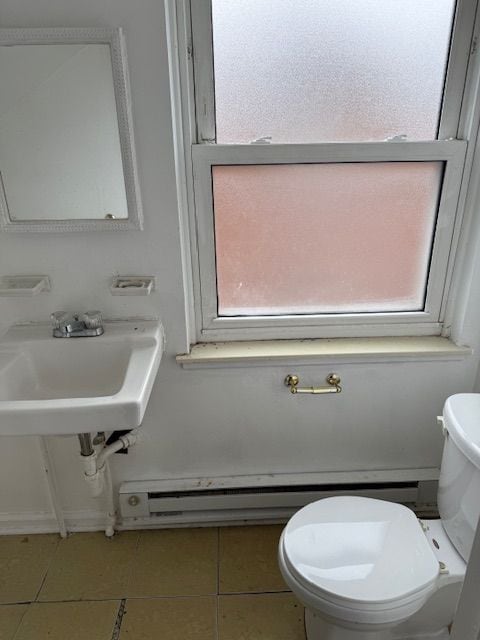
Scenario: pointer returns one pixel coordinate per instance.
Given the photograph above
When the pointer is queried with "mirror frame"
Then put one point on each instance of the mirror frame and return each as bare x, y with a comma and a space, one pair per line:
114, 37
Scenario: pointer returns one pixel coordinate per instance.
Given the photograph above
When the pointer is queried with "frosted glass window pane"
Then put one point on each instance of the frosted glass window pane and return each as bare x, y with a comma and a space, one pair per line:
324, 238
327, 70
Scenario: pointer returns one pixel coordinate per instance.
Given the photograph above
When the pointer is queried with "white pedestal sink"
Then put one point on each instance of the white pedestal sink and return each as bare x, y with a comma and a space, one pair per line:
58, 386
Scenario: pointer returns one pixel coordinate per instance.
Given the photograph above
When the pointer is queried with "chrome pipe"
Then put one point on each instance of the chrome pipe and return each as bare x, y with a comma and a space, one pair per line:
86, 446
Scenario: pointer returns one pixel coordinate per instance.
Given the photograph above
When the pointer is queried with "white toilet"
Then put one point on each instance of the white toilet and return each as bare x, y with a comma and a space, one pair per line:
368, 569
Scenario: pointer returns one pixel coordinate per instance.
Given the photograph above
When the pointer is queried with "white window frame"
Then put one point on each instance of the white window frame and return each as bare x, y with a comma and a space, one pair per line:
195, 125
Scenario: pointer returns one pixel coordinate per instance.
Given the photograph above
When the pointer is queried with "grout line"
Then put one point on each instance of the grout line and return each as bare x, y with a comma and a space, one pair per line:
76, 600
137, 543
218, 560
15, 634
254, 593
48, 568
117, 598
118, 622
131, 571
217, 601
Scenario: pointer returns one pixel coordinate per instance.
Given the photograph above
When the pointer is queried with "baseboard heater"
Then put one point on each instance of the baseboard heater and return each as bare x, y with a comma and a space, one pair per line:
218, 505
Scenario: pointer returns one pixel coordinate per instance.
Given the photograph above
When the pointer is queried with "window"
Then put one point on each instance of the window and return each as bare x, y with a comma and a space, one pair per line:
329, 70
362, 230
328, 142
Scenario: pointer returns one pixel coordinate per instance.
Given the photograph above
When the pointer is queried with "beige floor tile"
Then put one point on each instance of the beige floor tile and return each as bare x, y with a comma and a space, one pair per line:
24, 562
10, 618
89, 566
248, 559
170, 619
277, 616
69, 621
175, 562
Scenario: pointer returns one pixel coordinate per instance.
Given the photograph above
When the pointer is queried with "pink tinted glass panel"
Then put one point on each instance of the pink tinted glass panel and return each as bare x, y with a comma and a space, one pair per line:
324, 238
320, 70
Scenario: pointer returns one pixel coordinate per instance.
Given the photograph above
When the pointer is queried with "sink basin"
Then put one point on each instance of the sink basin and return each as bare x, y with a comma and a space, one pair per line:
55, 386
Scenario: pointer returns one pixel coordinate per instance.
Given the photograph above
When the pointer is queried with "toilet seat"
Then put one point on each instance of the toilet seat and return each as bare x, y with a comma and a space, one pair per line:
359, 558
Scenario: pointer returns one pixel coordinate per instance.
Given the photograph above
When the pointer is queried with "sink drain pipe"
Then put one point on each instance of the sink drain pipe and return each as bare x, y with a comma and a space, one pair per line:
97, 471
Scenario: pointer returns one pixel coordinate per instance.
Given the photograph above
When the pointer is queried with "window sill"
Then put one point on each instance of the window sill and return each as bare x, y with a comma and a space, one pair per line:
352, 350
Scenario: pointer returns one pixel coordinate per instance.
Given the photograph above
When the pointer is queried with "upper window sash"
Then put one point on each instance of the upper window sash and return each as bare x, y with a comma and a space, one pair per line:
449, 124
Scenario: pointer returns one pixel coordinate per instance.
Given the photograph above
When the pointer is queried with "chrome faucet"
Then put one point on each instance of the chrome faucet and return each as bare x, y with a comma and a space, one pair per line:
89, 325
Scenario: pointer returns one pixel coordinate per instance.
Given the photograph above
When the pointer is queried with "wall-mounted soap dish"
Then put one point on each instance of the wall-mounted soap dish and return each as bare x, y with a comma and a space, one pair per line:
132, 285
23, 285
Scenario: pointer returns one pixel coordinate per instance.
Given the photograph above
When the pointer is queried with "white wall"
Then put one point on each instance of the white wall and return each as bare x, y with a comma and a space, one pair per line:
211, 422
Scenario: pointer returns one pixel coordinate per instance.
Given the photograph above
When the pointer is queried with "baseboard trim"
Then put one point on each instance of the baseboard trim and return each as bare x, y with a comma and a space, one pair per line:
32, 522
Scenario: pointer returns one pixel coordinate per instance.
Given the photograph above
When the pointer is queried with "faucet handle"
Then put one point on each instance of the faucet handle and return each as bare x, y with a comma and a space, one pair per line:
58, 319
92, 319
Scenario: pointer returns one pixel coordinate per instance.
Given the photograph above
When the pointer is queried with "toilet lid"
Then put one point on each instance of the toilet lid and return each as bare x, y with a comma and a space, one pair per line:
359, 550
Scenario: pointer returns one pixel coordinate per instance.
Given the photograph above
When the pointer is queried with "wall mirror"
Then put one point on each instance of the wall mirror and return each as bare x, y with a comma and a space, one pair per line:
67, 158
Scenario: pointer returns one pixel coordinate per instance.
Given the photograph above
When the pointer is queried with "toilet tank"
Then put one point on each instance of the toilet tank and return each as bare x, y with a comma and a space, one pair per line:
459, 484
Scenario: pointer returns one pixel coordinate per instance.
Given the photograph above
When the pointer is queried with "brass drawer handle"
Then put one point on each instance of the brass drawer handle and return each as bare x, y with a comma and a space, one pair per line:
333, 380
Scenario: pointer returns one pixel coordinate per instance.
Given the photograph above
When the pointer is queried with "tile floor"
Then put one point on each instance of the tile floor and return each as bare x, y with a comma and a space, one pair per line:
179, 584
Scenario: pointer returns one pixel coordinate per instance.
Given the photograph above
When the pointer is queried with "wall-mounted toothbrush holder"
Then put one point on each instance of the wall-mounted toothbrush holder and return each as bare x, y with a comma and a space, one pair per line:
132, 285
23, 285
